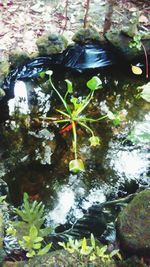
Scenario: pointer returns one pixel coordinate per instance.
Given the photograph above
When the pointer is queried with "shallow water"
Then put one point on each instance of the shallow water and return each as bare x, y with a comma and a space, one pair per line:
35, 156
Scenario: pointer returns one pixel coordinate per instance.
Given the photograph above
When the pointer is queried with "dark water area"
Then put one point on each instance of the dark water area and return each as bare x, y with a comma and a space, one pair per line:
34, 155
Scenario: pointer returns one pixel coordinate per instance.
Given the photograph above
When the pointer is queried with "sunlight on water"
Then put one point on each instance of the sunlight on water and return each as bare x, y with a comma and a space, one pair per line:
20, 101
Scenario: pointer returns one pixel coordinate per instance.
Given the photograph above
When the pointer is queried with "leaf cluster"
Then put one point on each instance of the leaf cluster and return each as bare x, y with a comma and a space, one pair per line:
28, 230
92, 250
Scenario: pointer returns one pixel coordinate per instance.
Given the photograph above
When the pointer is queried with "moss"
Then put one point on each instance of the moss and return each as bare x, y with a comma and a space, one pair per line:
51, 43
18, 57
84, 36
134, 225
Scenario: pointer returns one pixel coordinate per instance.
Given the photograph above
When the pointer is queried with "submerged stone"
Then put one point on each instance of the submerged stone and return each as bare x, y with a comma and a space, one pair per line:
133, 225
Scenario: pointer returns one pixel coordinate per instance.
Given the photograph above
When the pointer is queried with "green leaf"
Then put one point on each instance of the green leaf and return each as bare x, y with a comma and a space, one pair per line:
76, 165
69, 86
92, 241
33, 233
94, 84
27, 238
145, 94
30, 254
37, 246
42, 74
45, 250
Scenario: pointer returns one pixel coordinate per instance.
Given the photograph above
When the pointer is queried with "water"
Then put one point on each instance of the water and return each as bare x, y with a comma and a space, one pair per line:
35, 156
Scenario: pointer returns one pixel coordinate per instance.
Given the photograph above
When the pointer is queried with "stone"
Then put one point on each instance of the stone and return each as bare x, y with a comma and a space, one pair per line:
133, 225
121, 41
18, 57
51, 43
4, 70
88, 35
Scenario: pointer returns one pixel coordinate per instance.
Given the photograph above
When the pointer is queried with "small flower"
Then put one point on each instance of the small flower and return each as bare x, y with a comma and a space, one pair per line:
94, 140
76, 165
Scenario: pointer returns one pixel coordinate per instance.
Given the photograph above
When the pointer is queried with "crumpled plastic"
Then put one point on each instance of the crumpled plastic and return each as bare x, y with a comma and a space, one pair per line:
76, 57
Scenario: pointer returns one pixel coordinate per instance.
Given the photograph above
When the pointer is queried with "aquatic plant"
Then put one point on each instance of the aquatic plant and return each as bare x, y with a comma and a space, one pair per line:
89, 249
73, 115
28, 231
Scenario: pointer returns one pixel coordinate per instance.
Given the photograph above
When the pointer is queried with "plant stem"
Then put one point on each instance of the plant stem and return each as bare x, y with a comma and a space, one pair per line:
146, 59
86, 13
93, 120
87, 127
61, 98
87, 100
75, 138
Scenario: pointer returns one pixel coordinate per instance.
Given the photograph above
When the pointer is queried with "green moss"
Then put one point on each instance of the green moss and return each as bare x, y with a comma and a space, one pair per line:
84, 36
51, 43
134, 224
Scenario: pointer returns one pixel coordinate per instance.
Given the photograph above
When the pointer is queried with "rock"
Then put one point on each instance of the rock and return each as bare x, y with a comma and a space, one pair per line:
63, 258
120, 42
51, 43
133, 225
18, 57
84, 36
4, 70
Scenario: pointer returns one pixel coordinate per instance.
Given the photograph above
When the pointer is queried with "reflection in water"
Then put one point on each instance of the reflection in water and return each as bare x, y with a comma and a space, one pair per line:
109, 166
20, 101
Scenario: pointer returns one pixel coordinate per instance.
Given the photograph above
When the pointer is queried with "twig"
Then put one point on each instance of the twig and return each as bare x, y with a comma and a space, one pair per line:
146, 59
66, 15
86, 13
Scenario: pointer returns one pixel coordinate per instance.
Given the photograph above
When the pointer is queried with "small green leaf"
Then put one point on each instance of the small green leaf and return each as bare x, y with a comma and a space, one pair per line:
30, 254
145, 94
11, 231
92, 241
94, 84
76, 165
37, 246
33, 232
43, 251
69, 86
42, 74
94, 140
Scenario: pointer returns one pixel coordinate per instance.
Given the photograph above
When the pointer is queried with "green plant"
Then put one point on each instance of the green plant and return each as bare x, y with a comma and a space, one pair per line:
137, 43
91, 250
73, 116
28, 231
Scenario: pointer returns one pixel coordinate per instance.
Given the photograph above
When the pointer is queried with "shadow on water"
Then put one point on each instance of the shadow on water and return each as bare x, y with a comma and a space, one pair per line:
35, 156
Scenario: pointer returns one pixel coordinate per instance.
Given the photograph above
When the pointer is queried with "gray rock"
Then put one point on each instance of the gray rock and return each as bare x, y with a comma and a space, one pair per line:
133, 224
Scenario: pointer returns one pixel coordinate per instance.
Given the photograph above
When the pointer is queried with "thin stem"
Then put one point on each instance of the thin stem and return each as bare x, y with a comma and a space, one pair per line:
61, 98
146, 59
63, 113
60, 121
93, 120
66, 15
87, 127
75, 138
86, 13
87, 101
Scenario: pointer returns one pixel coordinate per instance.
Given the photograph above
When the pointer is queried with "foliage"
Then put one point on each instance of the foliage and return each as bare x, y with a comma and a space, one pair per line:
145, 93
90, 251
29, 232
73, 116
137, 43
